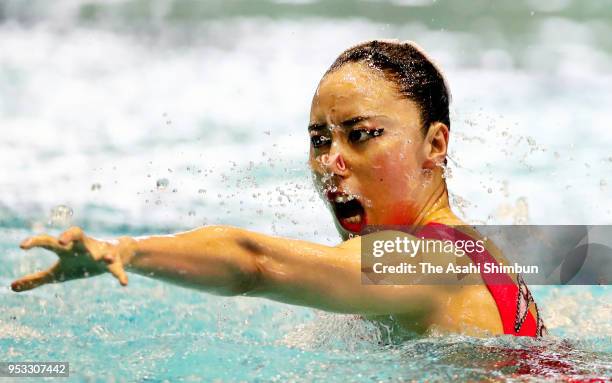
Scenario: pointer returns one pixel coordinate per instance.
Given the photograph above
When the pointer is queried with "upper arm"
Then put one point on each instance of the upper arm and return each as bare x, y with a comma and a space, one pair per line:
324, 277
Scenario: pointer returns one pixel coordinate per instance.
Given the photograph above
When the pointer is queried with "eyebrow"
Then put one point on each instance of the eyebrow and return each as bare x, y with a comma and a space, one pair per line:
345, 124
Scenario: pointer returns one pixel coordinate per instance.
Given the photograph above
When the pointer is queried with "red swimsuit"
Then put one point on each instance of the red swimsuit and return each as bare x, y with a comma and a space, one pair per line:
512, 298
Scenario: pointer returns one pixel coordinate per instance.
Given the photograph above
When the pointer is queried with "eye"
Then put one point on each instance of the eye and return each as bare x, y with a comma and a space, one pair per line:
319, 140
361, 135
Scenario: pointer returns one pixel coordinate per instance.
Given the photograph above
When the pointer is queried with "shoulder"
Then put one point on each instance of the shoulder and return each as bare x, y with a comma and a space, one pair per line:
353, 243
470, 310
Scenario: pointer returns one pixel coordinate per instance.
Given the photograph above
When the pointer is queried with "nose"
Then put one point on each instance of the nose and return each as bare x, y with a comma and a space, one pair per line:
334, 163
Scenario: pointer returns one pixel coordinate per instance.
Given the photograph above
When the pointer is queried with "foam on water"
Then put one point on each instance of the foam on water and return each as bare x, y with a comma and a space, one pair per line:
83, 105
144, 120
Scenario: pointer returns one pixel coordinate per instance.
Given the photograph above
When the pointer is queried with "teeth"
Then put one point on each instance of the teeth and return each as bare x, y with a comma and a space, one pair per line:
344, 198
353, 219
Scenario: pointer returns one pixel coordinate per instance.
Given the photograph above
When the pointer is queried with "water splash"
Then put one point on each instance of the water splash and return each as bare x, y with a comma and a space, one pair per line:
517, 213
162, 184
337, 331
60, 216
576, 313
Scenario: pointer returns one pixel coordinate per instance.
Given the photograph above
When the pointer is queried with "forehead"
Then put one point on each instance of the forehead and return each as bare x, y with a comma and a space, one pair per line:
355, 89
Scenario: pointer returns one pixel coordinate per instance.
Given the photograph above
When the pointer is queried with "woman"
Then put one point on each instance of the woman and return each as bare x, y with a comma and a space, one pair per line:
379, 130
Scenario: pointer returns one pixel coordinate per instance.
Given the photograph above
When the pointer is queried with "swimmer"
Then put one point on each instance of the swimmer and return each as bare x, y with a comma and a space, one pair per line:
379, 132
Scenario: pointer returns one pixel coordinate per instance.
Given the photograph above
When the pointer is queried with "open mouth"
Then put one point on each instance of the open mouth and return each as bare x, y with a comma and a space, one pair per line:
348, 210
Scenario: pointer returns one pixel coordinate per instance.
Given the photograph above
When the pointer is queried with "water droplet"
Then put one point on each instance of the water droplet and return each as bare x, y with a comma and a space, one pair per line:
162, 183
447, 172
531, 141
61, 215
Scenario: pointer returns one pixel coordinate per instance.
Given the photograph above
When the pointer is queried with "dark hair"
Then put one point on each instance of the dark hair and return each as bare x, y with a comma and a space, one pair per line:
405, 64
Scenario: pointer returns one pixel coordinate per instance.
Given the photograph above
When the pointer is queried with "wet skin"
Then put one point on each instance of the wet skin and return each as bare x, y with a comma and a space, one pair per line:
372, 142
394, 174
367, 141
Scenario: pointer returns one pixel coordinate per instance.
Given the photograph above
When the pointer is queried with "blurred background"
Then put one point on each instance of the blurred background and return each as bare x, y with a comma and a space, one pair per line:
133, 116
170, 114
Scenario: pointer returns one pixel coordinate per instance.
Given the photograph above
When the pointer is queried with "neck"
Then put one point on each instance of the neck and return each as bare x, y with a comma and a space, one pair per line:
436, 207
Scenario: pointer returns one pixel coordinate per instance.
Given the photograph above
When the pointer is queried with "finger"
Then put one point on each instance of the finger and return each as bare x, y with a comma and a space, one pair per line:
117, 270
45, 241
108, 258
115, 266
75, 233
34, 280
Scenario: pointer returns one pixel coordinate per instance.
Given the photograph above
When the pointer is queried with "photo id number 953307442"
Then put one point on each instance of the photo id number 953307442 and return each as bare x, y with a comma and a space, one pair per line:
34, 369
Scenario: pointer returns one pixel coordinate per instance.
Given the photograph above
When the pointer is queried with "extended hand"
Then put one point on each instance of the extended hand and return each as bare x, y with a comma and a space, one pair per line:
79, 255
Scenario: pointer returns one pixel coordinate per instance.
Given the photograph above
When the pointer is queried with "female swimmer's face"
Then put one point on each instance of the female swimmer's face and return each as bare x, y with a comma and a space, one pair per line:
367, 154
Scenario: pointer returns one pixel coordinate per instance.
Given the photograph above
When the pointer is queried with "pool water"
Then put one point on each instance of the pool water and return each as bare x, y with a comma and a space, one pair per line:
152, 331
131, 117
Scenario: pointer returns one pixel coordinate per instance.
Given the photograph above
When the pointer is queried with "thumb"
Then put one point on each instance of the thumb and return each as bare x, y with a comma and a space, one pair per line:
34, 280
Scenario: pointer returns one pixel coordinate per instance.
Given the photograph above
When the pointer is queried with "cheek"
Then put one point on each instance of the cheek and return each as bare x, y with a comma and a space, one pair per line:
313, 163
394, 170
393, 179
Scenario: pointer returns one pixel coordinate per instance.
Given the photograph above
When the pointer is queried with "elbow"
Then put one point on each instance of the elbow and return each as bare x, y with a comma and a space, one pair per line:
243, 281
246, 281
252, 271
246, 285
247, 271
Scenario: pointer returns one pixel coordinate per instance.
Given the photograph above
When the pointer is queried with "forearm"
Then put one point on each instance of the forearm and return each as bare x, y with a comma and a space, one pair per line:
230, 261
211, 258
227, 260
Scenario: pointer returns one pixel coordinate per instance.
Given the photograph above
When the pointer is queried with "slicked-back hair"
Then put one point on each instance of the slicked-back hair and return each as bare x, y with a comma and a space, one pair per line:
415, 75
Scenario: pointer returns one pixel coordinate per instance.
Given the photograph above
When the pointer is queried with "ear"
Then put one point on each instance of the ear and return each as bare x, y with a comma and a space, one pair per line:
436, 145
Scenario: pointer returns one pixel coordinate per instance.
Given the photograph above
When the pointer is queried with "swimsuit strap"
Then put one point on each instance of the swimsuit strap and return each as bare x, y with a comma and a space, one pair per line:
512, 299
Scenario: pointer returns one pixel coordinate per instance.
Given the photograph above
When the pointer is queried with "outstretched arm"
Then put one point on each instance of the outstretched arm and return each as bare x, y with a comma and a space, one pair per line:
231, 261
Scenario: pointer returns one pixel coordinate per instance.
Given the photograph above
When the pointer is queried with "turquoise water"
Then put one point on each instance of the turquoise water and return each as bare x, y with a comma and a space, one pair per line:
157, 332
101, 102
